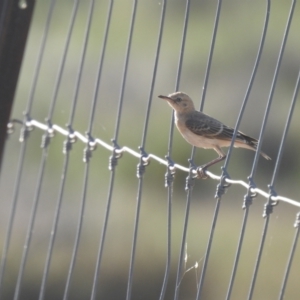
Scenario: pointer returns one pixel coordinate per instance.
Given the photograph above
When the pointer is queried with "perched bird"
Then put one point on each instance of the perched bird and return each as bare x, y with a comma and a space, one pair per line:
203, 131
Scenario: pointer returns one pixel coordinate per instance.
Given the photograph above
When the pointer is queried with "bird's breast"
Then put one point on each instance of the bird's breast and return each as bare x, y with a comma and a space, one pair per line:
192, 138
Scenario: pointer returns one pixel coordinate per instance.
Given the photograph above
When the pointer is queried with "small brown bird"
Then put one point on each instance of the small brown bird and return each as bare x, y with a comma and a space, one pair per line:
203, 131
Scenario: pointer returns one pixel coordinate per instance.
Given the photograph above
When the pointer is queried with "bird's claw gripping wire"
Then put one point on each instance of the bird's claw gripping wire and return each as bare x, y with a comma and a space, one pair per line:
201, 173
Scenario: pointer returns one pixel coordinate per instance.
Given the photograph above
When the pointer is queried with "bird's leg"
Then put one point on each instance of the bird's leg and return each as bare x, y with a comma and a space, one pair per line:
201, 170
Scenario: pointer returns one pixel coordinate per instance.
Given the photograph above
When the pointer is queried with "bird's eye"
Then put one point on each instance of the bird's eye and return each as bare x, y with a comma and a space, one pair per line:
178, 99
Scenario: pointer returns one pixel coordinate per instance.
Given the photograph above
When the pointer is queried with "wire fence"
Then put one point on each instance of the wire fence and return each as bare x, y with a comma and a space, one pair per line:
59, 242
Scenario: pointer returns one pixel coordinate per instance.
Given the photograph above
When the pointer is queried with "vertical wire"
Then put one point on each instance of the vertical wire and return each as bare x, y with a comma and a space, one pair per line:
256, 64
99, 258
136, 224
207, 73
141, 166
270, 99
79, 227
279, 156
81, 64
290, 260
253, 281
45, 144
210, 239
23, 139
268, 206
246, 207
161, 25
107, 211
285, 132
31, 223
169, 184
209, 62
12, 212
210, 55
169, 232
170, 144
66, 160
100, 66
63, 60
121, 99
186, 218
40, 57
86, 157
238, 252
54, 227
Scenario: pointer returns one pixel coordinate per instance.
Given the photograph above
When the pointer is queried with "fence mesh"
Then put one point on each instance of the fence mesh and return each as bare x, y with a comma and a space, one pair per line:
100, 198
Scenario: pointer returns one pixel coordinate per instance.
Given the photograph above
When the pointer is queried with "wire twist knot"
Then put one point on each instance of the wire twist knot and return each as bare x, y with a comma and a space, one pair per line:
113, 159
26, 128
297, 221
190, 180
11, 125
48, 135
170, 174
268, 207
71, 139
248, 198
90, 147
141, 167
223, 185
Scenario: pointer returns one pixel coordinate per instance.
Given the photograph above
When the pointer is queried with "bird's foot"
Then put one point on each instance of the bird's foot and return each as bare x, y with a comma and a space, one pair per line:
201, 173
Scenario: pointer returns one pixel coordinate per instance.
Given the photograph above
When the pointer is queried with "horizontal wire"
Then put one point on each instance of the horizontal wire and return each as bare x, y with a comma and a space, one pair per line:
56, 128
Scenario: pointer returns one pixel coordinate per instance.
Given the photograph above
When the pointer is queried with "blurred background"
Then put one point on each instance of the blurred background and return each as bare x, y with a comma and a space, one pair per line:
238, 38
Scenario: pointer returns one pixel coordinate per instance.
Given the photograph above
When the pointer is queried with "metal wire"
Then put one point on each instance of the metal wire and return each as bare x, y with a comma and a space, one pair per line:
114, 157
285, 132
248, 197
181, 255
104, 228
118, 120
120, 150
23, 139
31, 223
86, 153
289, 264
212, 47
67, 148
141, 169
12, 213
269, 205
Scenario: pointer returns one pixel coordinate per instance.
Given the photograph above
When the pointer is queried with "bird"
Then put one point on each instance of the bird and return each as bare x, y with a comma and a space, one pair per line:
203, 131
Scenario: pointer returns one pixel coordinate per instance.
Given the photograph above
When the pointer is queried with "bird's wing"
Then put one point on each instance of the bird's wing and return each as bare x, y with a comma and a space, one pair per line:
209, 128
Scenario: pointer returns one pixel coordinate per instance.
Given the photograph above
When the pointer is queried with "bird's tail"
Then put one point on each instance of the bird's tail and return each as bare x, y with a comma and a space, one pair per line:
252, 142
263, 154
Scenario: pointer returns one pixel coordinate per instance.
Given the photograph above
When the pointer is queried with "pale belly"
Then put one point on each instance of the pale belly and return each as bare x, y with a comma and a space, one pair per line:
202, 142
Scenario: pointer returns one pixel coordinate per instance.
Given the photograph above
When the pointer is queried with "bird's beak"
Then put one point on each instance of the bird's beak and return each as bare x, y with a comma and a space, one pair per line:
165, 98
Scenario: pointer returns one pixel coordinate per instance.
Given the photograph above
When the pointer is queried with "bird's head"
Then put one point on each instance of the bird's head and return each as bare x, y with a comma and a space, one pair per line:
180, 102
